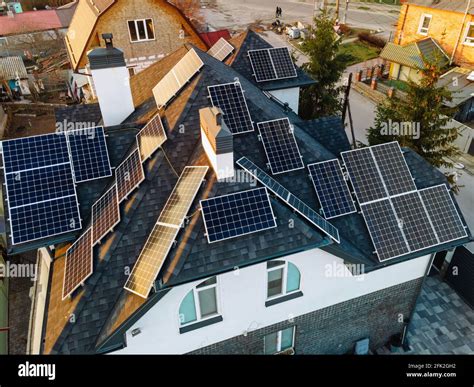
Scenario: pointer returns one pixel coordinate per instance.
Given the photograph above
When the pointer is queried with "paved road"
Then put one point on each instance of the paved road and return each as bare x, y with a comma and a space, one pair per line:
239, 14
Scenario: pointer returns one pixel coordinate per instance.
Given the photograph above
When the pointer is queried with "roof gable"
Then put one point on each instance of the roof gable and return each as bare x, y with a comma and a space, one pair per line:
88, 15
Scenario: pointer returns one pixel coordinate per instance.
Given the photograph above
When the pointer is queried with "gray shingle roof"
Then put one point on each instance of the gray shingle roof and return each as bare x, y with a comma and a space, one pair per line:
105, 308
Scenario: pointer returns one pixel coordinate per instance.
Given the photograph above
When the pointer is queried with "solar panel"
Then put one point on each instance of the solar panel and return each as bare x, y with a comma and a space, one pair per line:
39, 185
179, 75
44, 219
285, 195
282, 62
151, 137
34, 152
280, 146
331, 188
89, 155
221, 49
272, 64
40, 189
79, 263
414, 221
105, 214
364, 175
443, 213
230, 99
183, 194
393, 168
385, 229
151, 260
237, 214
164, 233
129, 175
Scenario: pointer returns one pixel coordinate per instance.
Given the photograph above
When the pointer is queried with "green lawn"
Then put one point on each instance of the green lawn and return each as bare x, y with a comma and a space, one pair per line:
359, 51
400, 85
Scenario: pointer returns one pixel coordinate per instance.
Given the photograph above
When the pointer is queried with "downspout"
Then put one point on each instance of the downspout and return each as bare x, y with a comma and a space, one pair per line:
460, 32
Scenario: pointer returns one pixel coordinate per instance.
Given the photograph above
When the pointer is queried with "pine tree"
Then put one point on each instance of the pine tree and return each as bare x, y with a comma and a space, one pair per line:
326, 65
421, 108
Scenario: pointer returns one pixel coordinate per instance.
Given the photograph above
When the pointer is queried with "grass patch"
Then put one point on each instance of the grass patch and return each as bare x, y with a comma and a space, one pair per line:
364, 8
397, 84
359, 51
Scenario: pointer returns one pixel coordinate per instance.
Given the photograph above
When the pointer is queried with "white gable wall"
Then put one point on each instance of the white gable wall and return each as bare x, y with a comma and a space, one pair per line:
242, 296
291, 96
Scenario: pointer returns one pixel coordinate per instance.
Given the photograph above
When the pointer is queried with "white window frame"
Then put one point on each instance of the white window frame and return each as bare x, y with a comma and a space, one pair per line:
279, 334
283, 293
420, 27
197, 304
135, 22
465, 38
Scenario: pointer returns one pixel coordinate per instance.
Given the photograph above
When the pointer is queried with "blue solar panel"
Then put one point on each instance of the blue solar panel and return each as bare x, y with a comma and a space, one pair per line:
365, 177
90, 158
38, 185
289, 198
34, 152
331, 188
280, 145
44, 219
40, 188
230, 99
237, 214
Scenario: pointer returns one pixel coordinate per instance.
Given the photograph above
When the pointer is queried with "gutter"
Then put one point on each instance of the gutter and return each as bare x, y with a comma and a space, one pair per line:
460, 32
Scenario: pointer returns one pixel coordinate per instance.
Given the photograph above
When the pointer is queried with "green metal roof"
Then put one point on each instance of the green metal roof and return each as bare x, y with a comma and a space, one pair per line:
415, 54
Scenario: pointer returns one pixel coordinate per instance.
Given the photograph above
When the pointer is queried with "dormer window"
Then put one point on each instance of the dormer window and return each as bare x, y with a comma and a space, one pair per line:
141, 30
424, 24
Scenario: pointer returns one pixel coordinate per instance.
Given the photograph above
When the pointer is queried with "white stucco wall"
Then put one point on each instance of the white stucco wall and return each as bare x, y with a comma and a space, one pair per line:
242, 296
112, 87
222, 164
292, 96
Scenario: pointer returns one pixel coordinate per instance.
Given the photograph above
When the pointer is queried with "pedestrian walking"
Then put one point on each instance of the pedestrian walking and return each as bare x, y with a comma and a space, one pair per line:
276, 12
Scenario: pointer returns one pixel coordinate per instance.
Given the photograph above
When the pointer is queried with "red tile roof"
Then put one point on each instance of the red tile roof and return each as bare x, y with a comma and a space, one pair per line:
31, 21
212, 37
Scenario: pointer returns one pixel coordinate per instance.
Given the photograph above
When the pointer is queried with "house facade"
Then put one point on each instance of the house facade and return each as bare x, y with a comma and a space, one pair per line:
145, 30
450, 23
285, 304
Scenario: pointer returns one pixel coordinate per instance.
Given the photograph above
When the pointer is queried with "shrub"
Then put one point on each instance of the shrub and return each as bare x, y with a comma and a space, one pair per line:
376, 41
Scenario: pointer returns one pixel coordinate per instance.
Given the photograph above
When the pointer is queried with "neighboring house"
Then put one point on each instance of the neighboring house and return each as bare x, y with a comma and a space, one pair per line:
13, 76
210, 38
145, 30
34, 32
460, 82
450, 23
407, 61
291, 288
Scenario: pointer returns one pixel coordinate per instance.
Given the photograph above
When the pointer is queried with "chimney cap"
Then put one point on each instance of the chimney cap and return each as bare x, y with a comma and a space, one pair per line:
108, 57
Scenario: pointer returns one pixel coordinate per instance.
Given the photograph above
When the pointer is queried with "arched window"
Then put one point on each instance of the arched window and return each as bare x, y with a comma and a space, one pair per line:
200, 303
282, 278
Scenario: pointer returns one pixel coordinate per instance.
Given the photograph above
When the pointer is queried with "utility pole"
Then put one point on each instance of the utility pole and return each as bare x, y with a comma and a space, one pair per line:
346, 9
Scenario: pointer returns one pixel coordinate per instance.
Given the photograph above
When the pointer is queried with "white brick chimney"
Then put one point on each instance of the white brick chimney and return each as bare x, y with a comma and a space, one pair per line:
217, 141
112, 82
